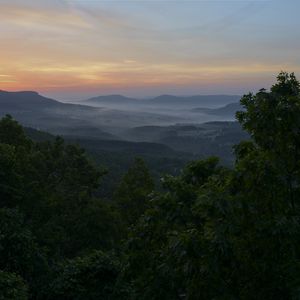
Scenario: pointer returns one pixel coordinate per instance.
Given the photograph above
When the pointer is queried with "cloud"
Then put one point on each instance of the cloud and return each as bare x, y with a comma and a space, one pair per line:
40, 17
84, 45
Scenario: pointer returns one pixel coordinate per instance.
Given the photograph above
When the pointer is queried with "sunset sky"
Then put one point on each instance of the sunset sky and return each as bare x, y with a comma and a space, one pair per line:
76, 49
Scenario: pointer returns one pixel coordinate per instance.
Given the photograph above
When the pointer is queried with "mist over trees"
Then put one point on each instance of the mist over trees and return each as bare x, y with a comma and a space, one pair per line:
212, 232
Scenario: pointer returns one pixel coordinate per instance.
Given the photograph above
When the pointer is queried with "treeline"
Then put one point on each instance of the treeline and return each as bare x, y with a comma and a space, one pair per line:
210, 233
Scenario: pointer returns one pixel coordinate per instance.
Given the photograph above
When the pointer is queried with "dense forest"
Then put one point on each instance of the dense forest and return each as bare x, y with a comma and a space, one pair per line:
210, 232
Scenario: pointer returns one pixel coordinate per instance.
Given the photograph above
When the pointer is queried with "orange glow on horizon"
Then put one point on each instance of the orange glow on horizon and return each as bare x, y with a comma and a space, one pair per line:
61, 45
133, 74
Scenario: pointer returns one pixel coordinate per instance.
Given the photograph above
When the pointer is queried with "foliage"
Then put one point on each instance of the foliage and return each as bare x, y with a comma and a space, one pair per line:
19, 251
133, 192
12, 286
48, 211
12, 133
229, 234
92, 276
170, 235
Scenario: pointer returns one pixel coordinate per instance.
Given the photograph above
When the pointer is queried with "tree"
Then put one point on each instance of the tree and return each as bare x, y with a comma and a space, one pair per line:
12, 286
165, 248
14, 148
229, 234
92, 276
48, 206
66, 180
12, 133
133, 192
19, 251
10, 177
53, 185
272, 119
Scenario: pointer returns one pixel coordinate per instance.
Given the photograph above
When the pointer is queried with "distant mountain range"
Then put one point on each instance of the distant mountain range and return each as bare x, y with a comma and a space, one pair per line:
37, 111
174, 126
30, 100
167, 100
107, 122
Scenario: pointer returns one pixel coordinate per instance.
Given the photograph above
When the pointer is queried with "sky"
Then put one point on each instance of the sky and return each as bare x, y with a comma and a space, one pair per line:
80, 48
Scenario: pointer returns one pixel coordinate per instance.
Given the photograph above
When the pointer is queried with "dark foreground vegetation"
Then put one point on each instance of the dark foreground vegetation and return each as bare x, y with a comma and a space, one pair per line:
211, 233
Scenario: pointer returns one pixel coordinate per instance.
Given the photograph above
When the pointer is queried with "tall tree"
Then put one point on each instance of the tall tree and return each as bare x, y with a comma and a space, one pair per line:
230, 234
12, 286
92, 276
132, 195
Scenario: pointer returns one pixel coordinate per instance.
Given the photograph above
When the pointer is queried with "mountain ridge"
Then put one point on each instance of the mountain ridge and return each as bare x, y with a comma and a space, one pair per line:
165, 99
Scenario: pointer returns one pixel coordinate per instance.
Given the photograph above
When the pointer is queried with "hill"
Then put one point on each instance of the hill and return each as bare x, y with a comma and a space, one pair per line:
206, 139
32, 101
117, 156
33, 110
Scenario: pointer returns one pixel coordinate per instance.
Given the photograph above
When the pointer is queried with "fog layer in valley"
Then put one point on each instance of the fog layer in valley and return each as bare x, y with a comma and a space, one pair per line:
200, 125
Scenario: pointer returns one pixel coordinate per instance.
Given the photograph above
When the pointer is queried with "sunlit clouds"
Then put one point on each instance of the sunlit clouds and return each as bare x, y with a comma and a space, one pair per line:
73, 48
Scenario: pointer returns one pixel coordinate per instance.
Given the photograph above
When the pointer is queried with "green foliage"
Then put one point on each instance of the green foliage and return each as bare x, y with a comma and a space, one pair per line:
272, 119
48, 211
169, 236
12, 287
19, 251
10, 178
133, 192
12, 133
95, 226
229, 234
53, 184
67, 179
92, 276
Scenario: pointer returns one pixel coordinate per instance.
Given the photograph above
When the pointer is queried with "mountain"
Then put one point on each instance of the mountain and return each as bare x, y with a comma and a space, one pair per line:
33, 110
32, 101
165, 100
205, 139
96, 145
156, 135
27, 100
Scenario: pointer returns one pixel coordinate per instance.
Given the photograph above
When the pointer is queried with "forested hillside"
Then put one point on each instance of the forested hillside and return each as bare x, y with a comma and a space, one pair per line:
211, 232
